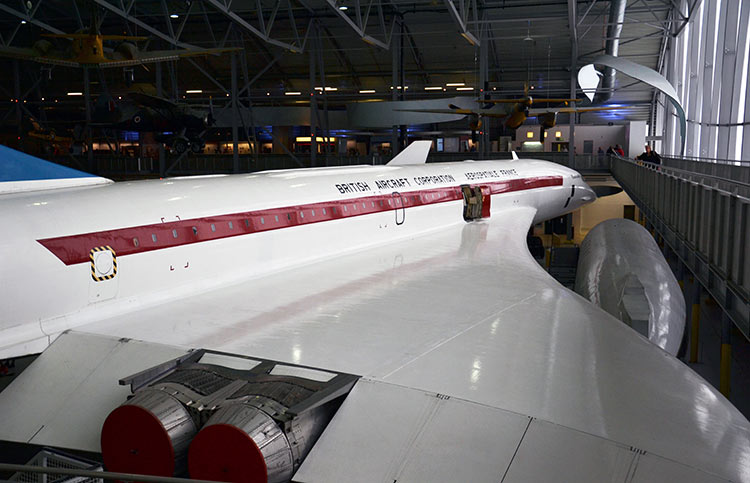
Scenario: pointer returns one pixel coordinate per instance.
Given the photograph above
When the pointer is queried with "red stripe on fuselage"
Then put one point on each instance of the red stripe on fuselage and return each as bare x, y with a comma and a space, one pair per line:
75, 249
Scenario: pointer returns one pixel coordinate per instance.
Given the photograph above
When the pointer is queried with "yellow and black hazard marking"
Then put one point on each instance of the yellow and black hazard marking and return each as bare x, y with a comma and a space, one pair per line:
101, 268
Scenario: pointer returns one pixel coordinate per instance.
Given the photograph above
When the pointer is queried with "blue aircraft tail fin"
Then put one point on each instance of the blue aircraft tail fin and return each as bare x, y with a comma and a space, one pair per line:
23, 172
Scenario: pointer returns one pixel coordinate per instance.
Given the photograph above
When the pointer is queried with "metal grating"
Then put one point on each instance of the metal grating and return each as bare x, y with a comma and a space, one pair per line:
199, 380
49, 458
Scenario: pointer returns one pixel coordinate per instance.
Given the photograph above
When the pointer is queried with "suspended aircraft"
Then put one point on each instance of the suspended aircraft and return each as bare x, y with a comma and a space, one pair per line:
515, 112
179, 125
365, 323
87, 49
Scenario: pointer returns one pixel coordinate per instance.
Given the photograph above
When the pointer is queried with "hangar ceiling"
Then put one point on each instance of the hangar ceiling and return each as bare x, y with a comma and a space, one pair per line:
351, 45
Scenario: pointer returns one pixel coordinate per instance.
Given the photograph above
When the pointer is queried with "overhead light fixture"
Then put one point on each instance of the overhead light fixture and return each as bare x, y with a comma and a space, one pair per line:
194, 91
329, 89
545, 134
433, 88
294, 93
318, 139
558, 134
367, 91
529, 134
343, 8
464, 88
75, 93
455, 84
174, 15
23, 22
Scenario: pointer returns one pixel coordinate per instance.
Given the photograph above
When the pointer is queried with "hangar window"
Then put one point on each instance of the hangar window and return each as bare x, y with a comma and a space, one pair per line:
135, 242
231, 226
213, 227
153, 237
195, 231
262, 221
174, 233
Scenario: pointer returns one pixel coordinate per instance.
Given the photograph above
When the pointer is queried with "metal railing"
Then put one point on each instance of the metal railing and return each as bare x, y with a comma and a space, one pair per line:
704, 219
731, 170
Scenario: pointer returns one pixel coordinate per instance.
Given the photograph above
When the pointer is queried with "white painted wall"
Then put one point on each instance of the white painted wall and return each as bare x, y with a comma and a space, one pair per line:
603, 136
636, 138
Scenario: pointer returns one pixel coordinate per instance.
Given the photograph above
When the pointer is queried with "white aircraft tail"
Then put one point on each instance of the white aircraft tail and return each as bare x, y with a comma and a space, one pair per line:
513, 153
415, 153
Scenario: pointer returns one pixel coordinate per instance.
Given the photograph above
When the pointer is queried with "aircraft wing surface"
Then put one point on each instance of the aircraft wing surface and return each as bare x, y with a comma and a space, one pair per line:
476, 366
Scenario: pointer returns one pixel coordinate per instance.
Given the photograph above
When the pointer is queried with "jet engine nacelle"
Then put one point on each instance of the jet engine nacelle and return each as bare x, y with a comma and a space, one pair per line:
222, 424
127, 50
475, 123
547, 119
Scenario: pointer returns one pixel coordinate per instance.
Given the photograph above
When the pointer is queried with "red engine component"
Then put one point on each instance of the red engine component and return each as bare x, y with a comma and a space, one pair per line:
149, 434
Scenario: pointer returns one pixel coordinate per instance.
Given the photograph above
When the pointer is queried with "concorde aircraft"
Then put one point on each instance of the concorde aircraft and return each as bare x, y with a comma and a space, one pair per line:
243, 310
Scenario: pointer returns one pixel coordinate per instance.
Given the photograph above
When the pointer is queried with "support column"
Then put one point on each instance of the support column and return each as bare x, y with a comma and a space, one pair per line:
87, 99
573, 23
695, 320
160, 93
725, 365
313, 100
395, 77
484, 48
235, 115
17, 95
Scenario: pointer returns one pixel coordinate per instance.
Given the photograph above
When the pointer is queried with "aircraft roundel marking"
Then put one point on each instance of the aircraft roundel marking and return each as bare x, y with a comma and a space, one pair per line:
103, 265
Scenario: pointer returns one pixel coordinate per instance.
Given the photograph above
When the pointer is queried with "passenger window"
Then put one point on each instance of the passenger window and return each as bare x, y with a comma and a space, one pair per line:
301, 214
213, 227
195, 231
312, 212
324, 211
247, 222
153, 237
231, 226
289, 216
174, 233
262, 221
277, 218
135, 242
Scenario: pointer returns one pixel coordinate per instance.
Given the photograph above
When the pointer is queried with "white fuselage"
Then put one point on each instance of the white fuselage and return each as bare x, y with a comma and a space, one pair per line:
72, 256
